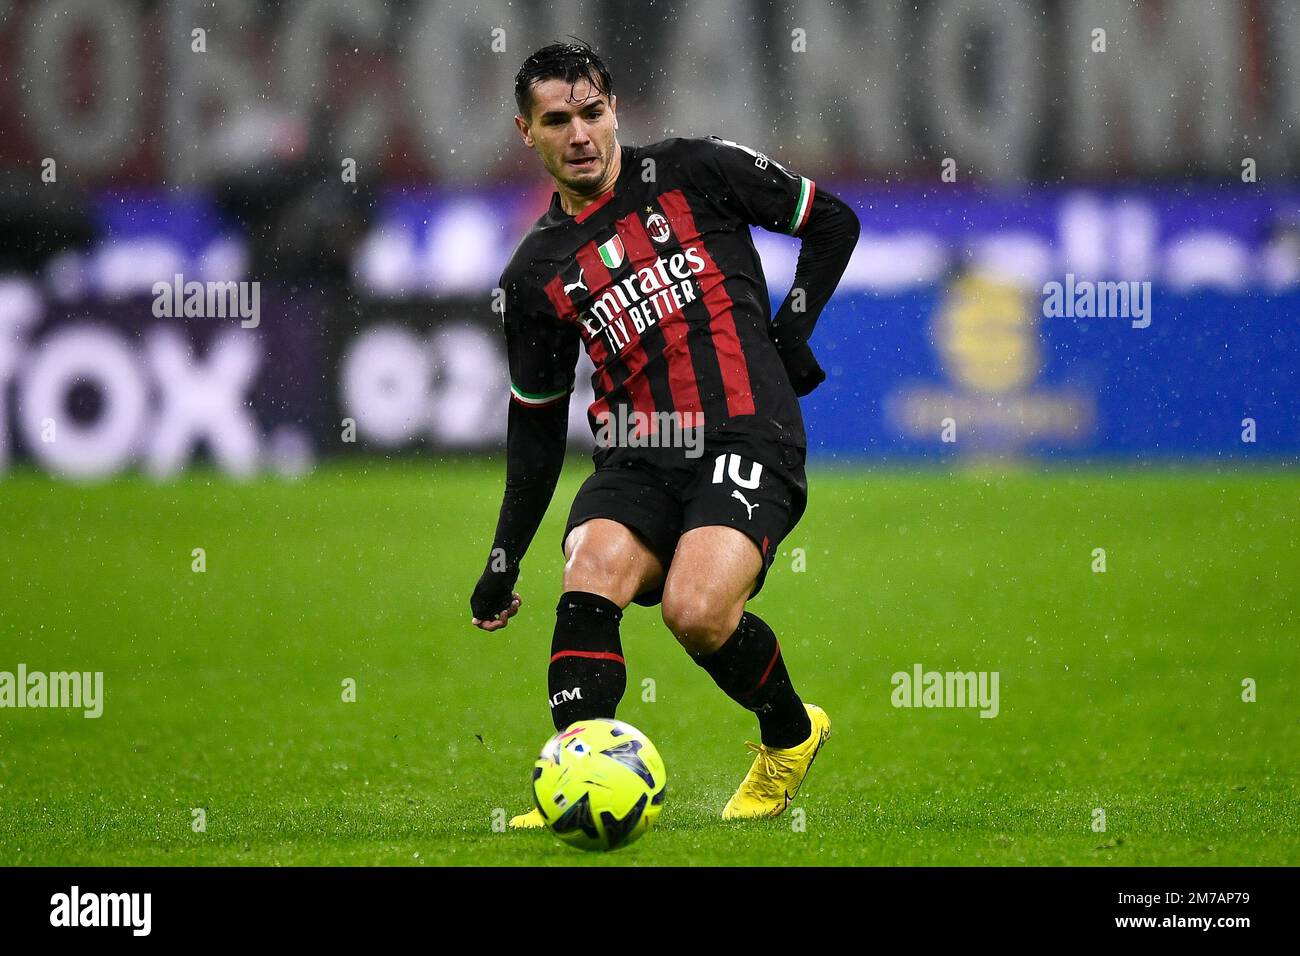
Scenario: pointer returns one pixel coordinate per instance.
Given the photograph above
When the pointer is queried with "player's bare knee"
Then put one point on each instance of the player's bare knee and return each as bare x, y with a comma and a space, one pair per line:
601, 570
701, 625
589, 570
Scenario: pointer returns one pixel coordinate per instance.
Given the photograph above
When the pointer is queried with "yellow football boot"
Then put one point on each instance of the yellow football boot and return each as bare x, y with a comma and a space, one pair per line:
527, 821
776, 775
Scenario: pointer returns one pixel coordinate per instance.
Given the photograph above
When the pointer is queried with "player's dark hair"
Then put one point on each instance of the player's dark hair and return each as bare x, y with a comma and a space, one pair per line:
570, 62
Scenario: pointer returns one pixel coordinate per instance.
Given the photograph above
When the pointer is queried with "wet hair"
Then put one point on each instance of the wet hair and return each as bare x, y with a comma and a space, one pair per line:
570, 62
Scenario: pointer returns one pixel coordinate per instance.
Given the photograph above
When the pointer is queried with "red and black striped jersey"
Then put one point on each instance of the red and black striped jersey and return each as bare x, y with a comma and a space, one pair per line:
659, 280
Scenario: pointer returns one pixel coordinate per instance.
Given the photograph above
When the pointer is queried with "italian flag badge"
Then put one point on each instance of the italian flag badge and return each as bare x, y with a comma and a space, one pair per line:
611, 253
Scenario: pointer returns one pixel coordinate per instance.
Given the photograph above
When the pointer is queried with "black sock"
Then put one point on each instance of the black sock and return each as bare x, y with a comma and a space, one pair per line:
587, 676
750, 670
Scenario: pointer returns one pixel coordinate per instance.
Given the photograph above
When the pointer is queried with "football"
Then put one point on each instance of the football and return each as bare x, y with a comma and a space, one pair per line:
599, 784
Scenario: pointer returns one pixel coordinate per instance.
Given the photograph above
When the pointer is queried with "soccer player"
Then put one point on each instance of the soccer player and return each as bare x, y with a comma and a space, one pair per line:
645, 259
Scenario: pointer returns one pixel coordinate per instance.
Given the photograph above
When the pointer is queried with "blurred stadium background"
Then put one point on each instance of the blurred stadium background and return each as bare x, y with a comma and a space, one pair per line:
235, 164
357, 161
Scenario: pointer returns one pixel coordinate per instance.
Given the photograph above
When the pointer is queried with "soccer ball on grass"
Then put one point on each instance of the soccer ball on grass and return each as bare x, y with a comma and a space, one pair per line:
599, 784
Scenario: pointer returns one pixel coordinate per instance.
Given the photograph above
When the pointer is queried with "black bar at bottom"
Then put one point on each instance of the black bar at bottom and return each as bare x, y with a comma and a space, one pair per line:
329, 905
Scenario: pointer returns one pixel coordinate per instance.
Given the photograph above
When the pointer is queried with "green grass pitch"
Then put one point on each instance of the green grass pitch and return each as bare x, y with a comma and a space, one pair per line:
223, 690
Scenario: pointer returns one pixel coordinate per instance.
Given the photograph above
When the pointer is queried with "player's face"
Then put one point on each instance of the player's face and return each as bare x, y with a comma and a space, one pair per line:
572, 128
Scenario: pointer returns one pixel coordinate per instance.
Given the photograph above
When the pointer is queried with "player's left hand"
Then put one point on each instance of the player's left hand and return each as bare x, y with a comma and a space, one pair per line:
802, 367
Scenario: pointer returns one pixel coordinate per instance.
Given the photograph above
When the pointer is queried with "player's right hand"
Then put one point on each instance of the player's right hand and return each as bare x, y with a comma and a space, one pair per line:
498, 621
494, 602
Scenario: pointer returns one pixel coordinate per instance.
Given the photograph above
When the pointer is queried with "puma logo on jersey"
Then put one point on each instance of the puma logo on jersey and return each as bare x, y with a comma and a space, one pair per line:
576, 285
749, 509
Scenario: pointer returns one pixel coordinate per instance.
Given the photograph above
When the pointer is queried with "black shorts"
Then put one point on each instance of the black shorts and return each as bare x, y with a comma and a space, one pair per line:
758, 488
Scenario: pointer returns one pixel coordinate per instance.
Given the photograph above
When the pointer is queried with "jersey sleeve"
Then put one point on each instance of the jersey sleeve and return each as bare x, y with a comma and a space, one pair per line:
542, 353
754, 187
542, 350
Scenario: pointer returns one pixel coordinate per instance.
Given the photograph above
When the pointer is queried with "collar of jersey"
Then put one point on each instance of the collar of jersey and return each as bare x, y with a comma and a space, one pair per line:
557, 211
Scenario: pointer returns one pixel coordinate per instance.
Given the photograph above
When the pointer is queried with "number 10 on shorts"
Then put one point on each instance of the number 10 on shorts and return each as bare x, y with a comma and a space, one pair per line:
732, 464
